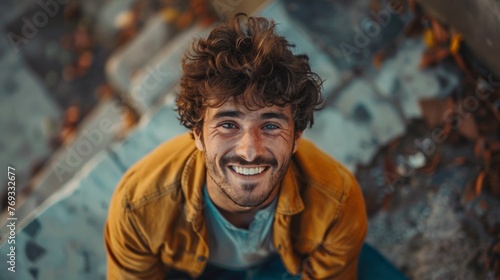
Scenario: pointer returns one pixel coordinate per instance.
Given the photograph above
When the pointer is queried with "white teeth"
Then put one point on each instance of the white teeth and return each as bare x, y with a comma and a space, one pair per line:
248, 171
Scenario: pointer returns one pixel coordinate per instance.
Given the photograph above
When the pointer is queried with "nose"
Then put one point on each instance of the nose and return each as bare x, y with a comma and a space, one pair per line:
250, 145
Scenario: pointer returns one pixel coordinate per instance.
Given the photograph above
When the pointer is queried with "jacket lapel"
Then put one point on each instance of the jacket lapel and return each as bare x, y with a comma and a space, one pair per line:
289, 204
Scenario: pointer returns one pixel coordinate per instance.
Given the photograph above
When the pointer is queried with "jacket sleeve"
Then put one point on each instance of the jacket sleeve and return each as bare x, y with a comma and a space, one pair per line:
128, 253
337, 257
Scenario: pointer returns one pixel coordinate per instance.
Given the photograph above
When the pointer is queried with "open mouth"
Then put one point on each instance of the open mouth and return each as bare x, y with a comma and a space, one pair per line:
248, 171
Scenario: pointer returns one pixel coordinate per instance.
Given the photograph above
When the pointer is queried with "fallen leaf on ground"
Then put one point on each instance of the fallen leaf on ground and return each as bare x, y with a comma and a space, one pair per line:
479, 182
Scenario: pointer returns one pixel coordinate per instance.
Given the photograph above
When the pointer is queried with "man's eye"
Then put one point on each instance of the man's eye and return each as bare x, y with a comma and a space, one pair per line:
228, 125
270, 126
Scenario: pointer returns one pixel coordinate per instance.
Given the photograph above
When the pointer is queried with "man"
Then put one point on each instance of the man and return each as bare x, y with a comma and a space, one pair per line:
242, 196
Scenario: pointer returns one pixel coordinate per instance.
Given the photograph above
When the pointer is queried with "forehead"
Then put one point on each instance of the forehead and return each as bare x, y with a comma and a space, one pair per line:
233, 106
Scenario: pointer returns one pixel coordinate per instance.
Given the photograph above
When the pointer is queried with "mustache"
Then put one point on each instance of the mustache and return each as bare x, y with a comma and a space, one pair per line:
236, 160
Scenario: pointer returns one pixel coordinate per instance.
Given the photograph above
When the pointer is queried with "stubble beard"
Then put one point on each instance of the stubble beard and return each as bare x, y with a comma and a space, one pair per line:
220, 178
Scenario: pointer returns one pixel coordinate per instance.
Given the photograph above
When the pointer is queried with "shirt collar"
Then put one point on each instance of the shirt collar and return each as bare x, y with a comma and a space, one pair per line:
261, 214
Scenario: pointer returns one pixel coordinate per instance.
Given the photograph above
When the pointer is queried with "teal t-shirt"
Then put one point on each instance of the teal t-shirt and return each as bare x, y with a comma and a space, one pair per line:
235, 248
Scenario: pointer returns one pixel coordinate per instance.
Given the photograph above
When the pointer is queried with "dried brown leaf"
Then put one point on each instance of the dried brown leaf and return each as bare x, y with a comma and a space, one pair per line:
468, 128
440, 33
375, 5
413, 5
432, 164
479, 182
378, 59
185, 20
447, 128
459, 160
433, 110
469, 193
460, 62
433, 56
479, 147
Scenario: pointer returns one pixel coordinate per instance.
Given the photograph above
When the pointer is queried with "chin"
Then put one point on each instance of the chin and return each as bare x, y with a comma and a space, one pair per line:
244, 199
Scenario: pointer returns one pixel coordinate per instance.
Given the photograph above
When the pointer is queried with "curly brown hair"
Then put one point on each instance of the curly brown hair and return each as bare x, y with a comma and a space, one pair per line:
249, 60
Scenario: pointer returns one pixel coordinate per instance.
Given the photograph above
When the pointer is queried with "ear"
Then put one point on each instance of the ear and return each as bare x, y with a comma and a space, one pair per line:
198, 141
298, 135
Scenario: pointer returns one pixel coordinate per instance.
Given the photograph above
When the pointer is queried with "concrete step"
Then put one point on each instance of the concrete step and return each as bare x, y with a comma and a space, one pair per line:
64, 239
94, 134
28, 116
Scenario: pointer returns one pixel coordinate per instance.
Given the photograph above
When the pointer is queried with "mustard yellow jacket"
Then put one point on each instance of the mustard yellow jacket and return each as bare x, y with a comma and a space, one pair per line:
155, 220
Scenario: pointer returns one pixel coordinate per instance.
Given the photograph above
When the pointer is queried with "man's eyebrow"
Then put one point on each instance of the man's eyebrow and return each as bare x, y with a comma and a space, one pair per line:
279, 116
225, 114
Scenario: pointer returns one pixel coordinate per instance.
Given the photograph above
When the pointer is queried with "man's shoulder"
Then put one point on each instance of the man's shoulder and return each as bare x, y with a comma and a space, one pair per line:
328, 191
158, 172
322, 172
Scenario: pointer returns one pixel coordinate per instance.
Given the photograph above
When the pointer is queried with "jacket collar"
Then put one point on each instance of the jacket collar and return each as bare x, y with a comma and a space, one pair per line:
289, 200
194, 176
192, 182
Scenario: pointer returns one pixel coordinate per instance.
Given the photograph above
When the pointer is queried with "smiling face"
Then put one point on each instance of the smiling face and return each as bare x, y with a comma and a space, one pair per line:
247, 153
